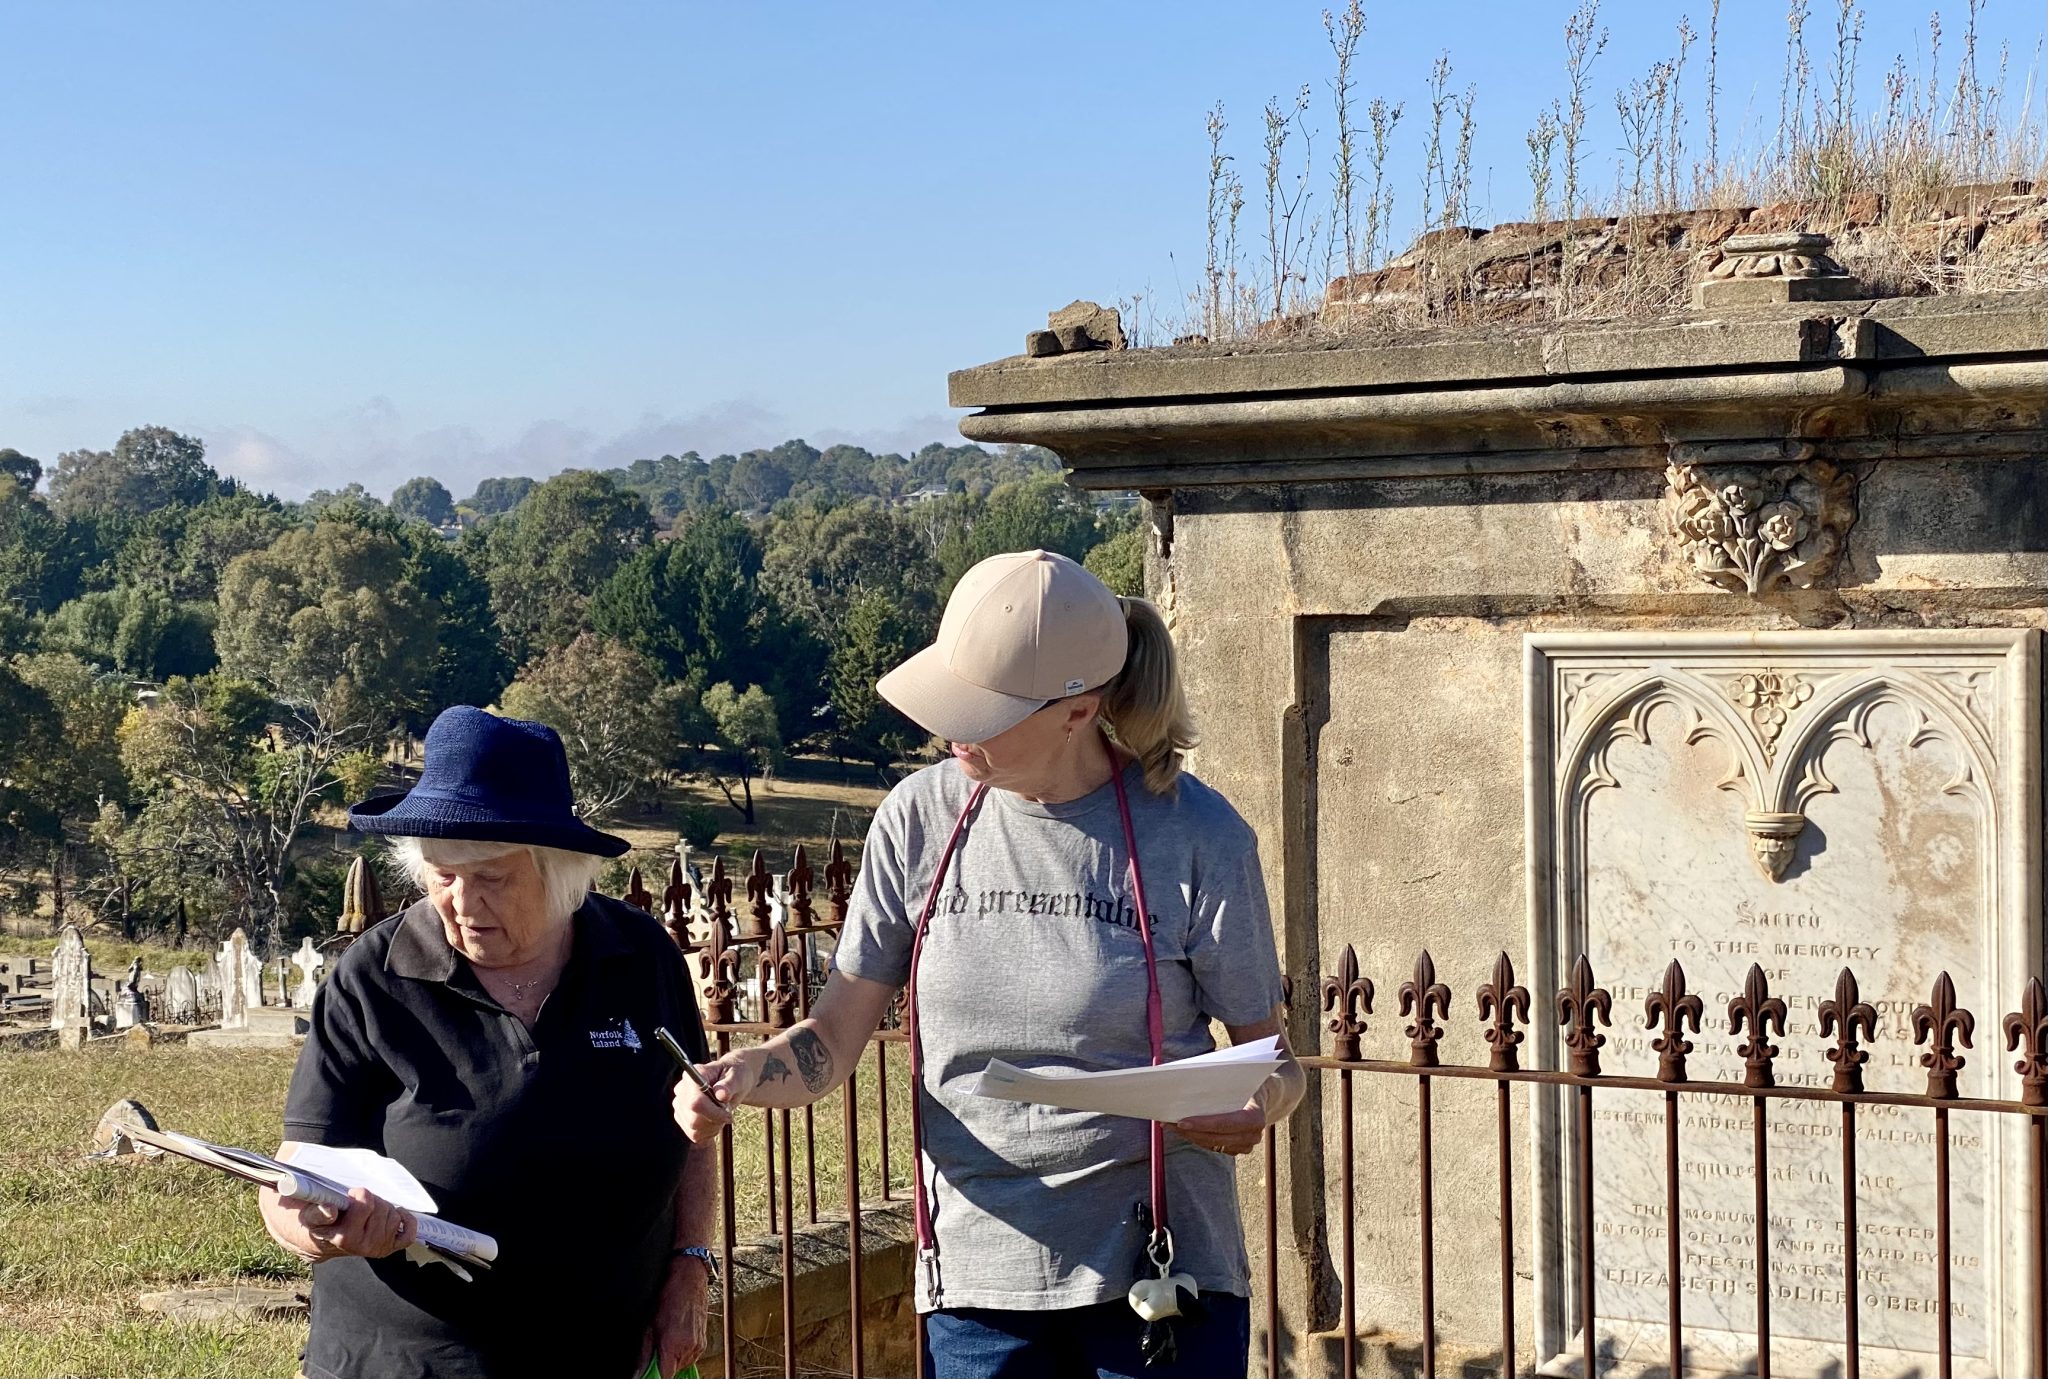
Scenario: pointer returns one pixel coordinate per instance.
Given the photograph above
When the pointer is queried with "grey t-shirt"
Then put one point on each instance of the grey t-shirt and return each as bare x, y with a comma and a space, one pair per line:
1034, 957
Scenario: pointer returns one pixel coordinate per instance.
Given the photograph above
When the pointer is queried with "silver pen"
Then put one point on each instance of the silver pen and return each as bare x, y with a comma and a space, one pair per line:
675, 1051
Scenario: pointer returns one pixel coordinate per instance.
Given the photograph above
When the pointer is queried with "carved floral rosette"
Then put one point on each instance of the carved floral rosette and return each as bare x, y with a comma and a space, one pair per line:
1750, 529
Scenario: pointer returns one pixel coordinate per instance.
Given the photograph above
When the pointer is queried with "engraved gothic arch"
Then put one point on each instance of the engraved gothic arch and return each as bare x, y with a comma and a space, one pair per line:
1971, 696
1779, 779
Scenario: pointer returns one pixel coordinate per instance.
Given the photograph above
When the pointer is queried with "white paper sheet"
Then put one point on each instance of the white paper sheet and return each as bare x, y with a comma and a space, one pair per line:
1207, 1084
365, 1168
392, 1181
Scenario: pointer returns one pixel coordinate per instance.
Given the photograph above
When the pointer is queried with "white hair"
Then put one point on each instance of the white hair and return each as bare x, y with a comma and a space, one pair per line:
567, 877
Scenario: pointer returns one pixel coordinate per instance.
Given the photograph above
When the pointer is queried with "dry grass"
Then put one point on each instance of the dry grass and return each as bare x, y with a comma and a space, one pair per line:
1954, 117
806, 804
80, 1240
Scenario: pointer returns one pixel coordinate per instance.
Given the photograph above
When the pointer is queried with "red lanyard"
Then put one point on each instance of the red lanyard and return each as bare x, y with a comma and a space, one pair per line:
1155, 1020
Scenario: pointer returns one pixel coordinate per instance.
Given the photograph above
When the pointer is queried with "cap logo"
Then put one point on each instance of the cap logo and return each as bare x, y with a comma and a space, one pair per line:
1076, 686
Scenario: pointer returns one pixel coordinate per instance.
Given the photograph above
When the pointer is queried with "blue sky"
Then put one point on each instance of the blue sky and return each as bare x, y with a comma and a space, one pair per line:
367, 240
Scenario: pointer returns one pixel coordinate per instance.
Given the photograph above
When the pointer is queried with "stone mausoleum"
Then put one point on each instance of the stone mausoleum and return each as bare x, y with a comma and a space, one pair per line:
1713, 637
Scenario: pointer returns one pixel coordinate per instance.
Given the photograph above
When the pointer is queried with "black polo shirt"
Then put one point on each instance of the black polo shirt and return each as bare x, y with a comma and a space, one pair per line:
558, 1142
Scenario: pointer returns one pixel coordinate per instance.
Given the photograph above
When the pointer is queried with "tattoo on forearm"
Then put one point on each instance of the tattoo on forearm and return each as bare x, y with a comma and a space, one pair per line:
813, 1059
774, 1070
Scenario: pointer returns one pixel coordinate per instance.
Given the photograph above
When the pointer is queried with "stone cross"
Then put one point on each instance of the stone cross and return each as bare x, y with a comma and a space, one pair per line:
691, 871
309, 962
181, 996
234, 962
70, 985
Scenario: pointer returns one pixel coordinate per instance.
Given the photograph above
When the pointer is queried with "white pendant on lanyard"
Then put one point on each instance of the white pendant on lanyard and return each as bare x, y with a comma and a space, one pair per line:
1164, 1295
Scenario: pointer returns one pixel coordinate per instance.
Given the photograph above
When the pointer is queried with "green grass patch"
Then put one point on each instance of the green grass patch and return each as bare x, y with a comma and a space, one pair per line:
81, 1240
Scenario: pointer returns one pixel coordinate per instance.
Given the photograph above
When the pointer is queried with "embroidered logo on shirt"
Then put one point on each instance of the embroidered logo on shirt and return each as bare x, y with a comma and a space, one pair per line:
619, 1034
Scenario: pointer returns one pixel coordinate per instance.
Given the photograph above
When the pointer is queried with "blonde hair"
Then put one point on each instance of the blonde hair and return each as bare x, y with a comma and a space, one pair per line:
566, 876
1144, 707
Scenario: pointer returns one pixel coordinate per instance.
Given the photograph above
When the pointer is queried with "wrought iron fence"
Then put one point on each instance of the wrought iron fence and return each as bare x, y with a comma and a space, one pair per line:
760, 967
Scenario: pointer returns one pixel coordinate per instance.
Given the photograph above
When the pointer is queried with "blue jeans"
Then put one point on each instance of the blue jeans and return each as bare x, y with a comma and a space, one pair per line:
1097, 1342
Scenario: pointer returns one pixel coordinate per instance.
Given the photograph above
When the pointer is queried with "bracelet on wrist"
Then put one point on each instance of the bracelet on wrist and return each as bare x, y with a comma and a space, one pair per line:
702, 1254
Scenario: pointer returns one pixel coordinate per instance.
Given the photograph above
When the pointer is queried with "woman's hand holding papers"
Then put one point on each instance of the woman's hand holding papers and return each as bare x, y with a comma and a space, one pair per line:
371, 1227
1231, 1132
1241, 1131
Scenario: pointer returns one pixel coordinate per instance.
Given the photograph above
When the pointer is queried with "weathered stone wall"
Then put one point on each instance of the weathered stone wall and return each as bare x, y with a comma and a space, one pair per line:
824, 1302
1353, 544
1972, 236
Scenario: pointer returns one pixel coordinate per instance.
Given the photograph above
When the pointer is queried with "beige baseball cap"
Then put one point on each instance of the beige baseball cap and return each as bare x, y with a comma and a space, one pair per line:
1020, 631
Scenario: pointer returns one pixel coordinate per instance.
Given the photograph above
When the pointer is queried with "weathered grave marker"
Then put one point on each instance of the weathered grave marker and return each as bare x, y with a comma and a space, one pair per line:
181, 996
309, 960
71, 987
232, 965
129, 1008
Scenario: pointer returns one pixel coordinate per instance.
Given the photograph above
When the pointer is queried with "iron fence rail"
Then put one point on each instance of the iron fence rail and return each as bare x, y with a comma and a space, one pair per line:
759, 967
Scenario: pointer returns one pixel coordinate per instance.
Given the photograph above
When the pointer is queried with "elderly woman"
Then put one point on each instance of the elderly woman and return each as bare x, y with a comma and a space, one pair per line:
497, 1040
1058, 893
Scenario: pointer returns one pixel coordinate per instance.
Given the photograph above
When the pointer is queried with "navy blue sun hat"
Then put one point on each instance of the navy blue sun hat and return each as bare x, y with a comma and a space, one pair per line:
489, 780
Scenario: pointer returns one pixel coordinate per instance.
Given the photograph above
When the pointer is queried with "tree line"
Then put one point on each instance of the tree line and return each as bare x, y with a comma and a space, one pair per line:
193, 673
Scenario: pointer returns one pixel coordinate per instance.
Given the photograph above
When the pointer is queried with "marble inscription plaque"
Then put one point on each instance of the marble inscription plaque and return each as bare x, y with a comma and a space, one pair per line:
1798, 803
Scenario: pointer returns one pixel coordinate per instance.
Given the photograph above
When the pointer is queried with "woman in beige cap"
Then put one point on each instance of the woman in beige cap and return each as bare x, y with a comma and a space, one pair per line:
1060, 894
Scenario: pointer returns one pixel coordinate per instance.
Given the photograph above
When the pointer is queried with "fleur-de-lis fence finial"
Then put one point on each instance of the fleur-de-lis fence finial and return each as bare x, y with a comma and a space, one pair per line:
760, 886
719, 896
801, 906
1427, 1000
1942, 1022
1348, 998
1672, 1006
1760, 1011
838, 884
2026, 1033
1578, 1004
1842, 1017
718, 962
1500, 1001
782, 966
675, 906
637, 895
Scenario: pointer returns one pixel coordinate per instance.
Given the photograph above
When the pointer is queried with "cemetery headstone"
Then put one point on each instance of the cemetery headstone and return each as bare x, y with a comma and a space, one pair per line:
128, 1006
309, 961
234, 992
206, 980
181, 996
1796, 804
110, 1136
70, 986
252, 977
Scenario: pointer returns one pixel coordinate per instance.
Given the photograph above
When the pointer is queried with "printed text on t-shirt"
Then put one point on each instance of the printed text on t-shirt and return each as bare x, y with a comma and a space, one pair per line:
1116, 910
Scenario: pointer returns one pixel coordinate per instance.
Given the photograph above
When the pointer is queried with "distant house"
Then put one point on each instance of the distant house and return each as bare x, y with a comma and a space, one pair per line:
930, 493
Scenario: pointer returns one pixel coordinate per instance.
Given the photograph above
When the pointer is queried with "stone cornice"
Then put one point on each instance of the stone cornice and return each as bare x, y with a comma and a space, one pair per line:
1862, 380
